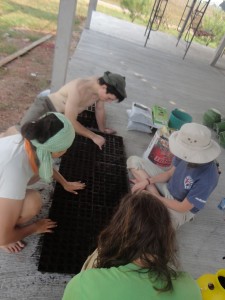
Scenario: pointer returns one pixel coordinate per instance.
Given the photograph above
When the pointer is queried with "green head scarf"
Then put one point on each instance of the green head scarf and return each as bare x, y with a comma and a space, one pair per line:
61, 141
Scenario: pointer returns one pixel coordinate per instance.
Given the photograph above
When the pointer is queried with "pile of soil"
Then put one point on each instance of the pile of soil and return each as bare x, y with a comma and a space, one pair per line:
25, 77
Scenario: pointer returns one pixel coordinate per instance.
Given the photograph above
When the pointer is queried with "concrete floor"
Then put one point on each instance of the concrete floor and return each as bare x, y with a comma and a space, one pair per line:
156, 74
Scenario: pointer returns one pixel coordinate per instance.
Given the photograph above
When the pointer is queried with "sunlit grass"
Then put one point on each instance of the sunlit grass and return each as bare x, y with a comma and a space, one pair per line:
32, 19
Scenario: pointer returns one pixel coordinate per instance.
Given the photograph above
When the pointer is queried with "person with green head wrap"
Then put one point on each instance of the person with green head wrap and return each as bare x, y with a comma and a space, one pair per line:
25, 158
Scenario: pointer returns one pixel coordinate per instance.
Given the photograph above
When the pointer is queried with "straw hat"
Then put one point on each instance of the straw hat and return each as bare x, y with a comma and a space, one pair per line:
193, 144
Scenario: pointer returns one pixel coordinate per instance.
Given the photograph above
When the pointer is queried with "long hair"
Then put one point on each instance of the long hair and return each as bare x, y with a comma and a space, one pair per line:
141, 229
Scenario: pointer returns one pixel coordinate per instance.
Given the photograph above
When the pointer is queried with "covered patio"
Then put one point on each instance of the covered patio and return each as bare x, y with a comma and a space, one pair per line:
156, 74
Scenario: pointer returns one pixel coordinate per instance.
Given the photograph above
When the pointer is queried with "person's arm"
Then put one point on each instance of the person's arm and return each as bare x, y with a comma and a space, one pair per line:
160, 178
9, 215
179, 206
101, 118
100, 115
163, 177
67, 185
71, 112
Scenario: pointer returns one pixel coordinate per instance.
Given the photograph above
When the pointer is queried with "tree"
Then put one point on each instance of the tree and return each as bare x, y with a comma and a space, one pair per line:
222, 5
136, 8
216, 24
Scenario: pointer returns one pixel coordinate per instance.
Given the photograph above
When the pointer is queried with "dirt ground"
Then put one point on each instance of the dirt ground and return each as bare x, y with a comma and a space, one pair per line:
25, 77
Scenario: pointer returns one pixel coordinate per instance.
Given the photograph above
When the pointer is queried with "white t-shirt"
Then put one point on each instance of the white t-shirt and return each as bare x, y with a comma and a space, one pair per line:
15, 170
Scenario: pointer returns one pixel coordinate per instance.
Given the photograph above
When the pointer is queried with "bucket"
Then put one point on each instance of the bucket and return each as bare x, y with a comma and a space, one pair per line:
218, 127
178, 118
210, 117
158, 150
222, 138
212, 285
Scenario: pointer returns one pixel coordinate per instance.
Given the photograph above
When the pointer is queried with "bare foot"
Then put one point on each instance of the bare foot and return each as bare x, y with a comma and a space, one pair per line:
13, 247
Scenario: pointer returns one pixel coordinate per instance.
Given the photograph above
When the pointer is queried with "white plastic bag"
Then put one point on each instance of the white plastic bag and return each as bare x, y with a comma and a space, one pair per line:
141, 114
136, 125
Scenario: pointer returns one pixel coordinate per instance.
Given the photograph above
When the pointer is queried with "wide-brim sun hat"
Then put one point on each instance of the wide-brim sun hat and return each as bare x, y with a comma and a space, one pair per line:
117, 81
193, 143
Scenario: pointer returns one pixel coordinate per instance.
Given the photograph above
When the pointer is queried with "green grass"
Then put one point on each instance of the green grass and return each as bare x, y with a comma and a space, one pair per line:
119, 14
32, 19
9, 49
172, 17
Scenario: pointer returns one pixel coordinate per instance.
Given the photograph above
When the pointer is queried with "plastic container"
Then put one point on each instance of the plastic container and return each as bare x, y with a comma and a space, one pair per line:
218, 127
215, 114
212, 285
222, 139
178, 118
210, 117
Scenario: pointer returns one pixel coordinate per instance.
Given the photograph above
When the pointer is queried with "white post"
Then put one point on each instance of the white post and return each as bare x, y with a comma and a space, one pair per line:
219, 51
66, 16
92, 6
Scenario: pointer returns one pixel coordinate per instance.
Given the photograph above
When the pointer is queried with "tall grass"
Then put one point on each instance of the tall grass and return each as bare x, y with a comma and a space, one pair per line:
31, 19
213, 20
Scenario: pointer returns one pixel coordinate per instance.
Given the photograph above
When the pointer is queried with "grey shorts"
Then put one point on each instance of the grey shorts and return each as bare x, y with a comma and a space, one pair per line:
41, 106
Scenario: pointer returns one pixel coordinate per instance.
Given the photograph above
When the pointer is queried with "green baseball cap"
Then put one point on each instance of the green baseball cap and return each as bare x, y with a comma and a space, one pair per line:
117, 81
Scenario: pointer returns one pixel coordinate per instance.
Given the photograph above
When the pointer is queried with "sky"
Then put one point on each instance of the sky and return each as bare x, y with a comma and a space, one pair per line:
217, 2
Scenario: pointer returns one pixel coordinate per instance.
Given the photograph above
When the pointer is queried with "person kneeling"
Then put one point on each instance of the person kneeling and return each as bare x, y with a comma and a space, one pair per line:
136, 257
186, 186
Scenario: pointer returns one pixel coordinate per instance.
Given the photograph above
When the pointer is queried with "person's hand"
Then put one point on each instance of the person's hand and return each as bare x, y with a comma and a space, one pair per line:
99, 141
45, 225
139, 186
110, 131
72, 187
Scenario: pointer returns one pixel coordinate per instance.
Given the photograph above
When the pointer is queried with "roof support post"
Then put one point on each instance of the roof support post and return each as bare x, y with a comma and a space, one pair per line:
218, 52
66, 16
92, 6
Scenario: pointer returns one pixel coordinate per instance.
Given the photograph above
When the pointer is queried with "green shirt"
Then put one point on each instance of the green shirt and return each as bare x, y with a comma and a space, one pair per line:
126, 284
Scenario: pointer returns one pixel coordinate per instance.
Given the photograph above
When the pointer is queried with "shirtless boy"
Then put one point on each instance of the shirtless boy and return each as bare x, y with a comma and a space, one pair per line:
76, 96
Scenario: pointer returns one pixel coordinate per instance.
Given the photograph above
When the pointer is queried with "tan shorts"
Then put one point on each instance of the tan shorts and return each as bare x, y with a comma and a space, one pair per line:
138, 163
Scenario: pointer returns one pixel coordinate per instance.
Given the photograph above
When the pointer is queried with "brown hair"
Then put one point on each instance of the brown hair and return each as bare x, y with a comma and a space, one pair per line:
141, 229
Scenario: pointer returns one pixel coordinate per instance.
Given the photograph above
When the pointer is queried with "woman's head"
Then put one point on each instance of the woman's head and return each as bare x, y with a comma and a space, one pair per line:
50, 135
140, 230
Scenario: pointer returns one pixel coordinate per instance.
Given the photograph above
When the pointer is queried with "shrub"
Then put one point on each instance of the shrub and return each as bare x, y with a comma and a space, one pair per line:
136, 8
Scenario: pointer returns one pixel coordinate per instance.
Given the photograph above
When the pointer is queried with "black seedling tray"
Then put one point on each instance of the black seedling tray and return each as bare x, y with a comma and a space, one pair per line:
87, 119
81, 217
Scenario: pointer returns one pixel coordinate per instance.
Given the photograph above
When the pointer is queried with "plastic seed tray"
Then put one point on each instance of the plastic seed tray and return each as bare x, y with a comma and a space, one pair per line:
81, 217
87, 119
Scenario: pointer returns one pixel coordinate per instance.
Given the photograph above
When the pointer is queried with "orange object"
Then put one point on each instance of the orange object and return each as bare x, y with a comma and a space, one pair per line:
31, 156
